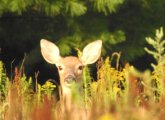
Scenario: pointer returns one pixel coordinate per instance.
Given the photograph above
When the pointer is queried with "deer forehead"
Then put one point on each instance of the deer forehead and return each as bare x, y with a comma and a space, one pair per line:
70, 61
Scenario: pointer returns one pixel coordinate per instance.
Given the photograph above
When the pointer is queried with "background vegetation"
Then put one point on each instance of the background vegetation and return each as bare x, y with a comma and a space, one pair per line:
121, 24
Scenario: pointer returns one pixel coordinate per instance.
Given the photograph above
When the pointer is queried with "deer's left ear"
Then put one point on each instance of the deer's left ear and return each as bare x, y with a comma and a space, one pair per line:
50, 51
91, 52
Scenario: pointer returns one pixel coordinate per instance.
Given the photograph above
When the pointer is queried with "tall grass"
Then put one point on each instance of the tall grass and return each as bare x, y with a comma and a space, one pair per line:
117, 94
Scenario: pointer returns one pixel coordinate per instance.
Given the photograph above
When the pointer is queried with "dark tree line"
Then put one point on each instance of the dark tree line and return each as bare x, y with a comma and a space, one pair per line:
121, 24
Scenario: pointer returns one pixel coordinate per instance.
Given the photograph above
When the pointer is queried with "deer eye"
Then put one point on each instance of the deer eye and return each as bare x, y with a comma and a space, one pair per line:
81, 67
60, 68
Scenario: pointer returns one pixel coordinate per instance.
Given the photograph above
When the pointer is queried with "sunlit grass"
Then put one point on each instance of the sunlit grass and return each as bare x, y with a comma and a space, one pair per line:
116, 95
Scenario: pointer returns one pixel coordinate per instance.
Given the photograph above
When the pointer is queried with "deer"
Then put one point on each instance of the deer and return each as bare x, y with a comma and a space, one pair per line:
70, 68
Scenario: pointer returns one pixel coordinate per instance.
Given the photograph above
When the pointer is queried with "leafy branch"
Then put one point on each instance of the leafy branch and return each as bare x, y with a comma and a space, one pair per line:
158, 46
158, 53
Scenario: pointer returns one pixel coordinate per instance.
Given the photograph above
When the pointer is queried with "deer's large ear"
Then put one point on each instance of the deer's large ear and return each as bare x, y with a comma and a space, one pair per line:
50, 51
91, 52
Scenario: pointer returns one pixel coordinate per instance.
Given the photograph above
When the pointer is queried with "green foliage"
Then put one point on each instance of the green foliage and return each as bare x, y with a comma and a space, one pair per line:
4, 87
158, 53
78, 94
4, 82
52, 8
48, 87
108, 82
87, 83
66, 43
45, 89
113, 38
158, 44
26, 84
15, 6
107, 6
87, 80
75, 8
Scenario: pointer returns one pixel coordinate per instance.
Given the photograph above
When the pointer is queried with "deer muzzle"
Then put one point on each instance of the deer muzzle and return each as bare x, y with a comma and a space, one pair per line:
69, 79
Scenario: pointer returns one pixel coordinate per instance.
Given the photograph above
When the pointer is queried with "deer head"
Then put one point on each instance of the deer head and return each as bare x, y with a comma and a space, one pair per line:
70, 68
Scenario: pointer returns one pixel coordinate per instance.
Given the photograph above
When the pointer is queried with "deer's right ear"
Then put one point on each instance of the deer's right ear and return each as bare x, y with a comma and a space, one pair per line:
91, 52
50, 51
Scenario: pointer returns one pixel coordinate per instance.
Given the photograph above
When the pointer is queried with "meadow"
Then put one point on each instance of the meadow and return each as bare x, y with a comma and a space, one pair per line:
119, 93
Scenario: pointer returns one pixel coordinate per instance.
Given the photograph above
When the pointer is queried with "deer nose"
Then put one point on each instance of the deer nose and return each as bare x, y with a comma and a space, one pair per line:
69, 79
